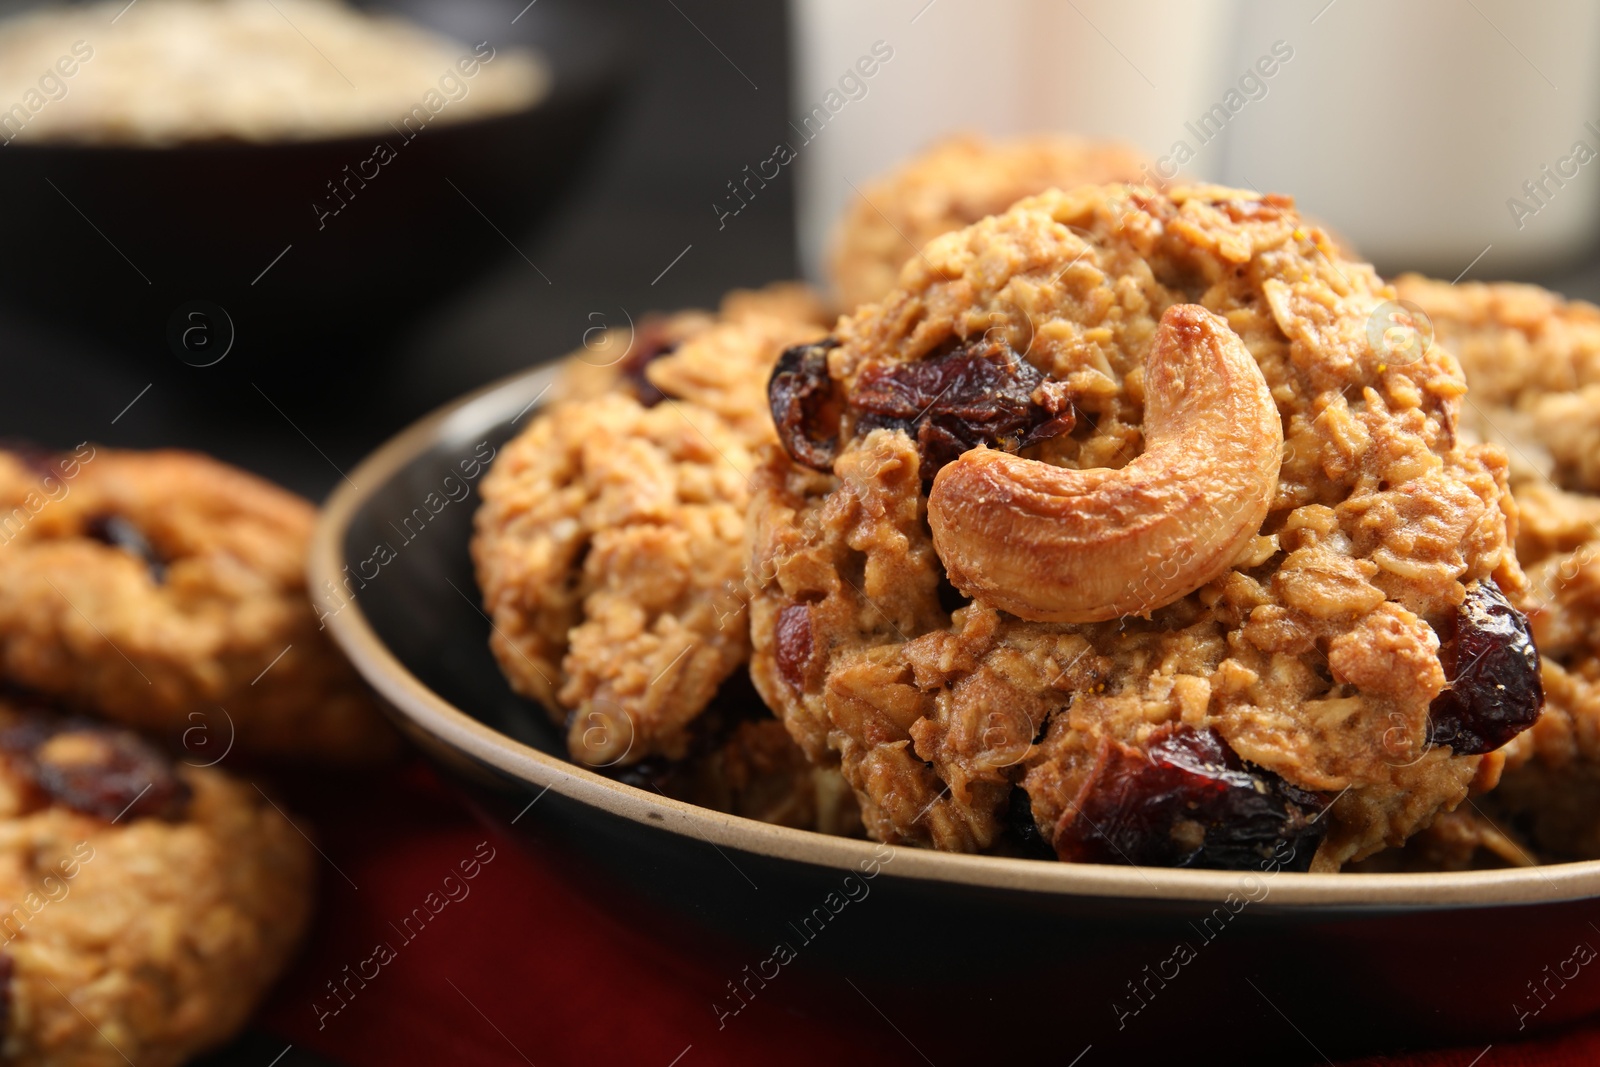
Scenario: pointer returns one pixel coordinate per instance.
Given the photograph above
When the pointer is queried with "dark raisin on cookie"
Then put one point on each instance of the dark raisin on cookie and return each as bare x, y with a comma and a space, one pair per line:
805, 404
1019, 819
979, 392
792, 638
95, 769
976, 392
1187, 800
1494, 691
118, 532
735, 703
650, 343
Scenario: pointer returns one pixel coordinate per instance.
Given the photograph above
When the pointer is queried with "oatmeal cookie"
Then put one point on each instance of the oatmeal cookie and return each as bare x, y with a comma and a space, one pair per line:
1466, 839
754, 769
1551, 783
1113, 502
720, 359
954, 184
1532, 361
609, 546
146, 906
166, 590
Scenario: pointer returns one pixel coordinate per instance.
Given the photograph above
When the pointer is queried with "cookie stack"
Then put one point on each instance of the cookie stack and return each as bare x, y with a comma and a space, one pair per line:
153, 897
1106, 524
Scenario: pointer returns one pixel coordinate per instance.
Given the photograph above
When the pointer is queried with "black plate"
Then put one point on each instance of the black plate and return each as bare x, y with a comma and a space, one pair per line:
969, 957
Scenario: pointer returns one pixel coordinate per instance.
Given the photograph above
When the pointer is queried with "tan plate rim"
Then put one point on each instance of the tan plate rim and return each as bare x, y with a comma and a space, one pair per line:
514, 395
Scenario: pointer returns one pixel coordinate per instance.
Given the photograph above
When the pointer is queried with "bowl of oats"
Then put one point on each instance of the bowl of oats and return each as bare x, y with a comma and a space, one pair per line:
317, 171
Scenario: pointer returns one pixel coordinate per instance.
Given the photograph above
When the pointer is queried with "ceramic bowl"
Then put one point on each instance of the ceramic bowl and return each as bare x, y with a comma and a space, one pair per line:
126, 240
962, 956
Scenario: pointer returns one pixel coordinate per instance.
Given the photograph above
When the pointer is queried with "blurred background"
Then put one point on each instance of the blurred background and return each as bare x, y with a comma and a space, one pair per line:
1414, 132
295, 400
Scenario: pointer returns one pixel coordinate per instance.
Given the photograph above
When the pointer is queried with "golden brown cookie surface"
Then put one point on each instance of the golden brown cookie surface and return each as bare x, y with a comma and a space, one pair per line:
609, 546
720, 360
1551, 784
1532, 361
162, 589
954, 184
1274, 692
145, 907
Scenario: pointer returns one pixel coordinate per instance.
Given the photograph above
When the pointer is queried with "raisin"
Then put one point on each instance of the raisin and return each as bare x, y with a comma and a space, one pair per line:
118, 532
735, 703
650, 343
1019, 818
1494, 692
805, 404
95, 769
1188, 800
979, 392
793, 639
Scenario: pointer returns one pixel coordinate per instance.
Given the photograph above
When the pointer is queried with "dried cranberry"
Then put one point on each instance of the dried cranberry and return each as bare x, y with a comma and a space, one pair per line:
805, 404
979, 392
793, 640
113, 773
650, 343
1494, 692
1188, 800
118, 532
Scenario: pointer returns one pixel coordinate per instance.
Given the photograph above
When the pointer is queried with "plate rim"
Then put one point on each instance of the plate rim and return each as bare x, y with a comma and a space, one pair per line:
426, 710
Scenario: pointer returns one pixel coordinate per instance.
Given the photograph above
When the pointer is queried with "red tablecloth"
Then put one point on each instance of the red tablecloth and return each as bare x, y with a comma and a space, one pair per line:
515, 967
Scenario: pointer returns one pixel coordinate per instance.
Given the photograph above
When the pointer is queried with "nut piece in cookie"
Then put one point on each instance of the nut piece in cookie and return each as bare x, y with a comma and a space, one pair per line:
166, 589
1215, 604
954, 184
145, 907
1049, 543
609, 545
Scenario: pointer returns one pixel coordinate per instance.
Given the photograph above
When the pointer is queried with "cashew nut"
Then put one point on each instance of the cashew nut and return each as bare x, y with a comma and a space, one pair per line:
1056, 545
